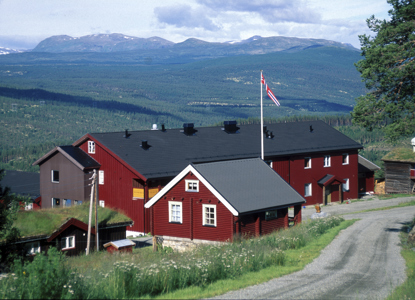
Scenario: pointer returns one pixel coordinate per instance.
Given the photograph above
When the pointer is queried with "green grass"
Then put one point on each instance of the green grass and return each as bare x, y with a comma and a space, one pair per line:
46, 221
404, 204
202, 272
407, 289
393, 196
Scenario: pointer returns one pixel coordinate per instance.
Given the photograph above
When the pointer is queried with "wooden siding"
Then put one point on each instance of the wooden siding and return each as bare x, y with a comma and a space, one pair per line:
117, 190
299, 176
397, 177
282, 167
192, 215
73, 182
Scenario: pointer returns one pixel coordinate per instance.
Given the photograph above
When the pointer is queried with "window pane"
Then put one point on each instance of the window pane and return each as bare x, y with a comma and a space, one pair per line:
70, 242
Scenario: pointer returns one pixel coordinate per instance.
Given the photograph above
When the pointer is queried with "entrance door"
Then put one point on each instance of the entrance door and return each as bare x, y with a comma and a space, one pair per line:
327, 196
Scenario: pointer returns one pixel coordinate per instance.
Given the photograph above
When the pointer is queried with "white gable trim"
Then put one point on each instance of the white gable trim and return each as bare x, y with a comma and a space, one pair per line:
179, 177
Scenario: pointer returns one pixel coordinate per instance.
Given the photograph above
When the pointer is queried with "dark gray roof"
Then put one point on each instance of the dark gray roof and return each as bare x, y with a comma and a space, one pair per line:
171, 151
249, 184
366, 165
75, 154
22, 183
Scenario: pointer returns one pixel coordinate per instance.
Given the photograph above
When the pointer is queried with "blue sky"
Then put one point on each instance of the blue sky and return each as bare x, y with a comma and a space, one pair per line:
24, 23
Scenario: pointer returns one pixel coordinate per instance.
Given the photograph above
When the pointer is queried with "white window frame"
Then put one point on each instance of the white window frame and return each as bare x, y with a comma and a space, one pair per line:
53, 202
346, 185
33, 248
308, 187
67, 243
347, 158
91, 147
192, 185
205, 218
65, 204
308, 165
101, 177
172, 217
77, 202
52, 176
102, 203
327, 161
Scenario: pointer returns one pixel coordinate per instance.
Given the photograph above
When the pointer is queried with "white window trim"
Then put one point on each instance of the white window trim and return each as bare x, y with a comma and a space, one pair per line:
309, 158
33, 248
327, 161
65, 204
204, 219
77, 202
102, 203
91, 147
187, 181
171, 203
53, 202
345, 185
101, 177
347, 159
67, 238
52, 177
311, 190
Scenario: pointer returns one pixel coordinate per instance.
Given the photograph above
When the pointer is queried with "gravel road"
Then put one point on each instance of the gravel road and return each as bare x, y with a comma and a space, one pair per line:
362, 262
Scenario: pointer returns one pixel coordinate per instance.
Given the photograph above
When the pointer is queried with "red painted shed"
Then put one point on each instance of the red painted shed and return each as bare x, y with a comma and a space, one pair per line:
124, 245
215, 201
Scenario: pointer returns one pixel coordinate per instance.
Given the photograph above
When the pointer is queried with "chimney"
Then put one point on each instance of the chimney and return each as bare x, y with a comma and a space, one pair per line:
264, 129
188, 129
126, 135
230, 126
144, 144
163, 128
311, 128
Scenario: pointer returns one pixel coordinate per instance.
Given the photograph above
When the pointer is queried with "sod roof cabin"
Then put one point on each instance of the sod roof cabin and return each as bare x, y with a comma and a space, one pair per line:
400, 171
67, 229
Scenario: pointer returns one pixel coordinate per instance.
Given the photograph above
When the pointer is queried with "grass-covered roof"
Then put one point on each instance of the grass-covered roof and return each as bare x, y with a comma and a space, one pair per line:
401, 155
46, 221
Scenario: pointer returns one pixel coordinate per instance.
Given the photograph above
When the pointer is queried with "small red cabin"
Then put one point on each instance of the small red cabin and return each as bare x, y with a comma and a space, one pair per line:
215, 201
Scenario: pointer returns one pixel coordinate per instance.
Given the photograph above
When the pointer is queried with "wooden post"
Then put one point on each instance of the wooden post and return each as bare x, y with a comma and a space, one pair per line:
96, 218
155, 244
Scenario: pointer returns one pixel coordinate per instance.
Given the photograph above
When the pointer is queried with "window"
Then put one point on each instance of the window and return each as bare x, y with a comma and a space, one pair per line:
91, 147
271, 215
175, 212
77, 202
345, 159
209, 215
346, 185
327, 161
68, 242
55, 176
307, 163
56, 202
101, 203
192, 185
307, 189
32, 248
101, 177
67, 202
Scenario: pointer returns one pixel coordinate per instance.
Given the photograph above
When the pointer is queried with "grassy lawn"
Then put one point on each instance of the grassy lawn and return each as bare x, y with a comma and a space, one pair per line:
407, 289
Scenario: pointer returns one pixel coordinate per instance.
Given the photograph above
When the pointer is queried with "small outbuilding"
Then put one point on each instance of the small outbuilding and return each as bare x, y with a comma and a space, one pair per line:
366, 175
219, 200
399, 171
124, 245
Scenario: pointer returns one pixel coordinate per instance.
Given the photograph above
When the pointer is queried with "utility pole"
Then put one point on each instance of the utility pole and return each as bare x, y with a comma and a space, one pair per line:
94, 177
96, 218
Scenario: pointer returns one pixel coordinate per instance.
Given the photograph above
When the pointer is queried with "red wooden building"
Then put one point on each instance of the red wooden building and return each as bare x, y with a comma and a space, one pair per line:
134, 166
216, 201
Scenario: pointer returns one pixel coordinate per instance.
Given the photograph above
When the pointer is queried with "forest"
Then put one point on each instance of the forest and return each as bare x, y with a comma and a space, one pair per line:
45, 104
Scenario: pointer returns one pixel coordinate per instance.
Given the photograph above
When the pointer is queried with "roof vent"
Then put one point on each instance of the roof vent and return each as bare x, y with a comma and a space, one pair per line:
163, 128
144, 144
230, 126
264, 129
154, 127
268, 134
188, 129
311, 128
126, 134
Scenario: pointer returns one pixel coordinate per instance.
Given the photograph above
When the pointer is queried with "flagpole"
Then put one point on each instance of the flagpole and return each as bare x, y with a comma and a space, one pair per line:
262, 123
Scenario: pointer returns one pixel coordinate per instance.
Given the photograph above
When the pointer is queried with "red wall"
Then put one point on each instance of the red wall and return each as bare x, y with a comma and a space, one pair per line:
299, 176
192, 214
117, 190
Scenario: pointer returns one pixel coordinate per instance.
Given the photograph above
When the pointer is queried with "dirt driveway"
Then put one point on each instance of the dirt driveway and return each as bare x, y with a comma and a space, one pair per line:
362, 262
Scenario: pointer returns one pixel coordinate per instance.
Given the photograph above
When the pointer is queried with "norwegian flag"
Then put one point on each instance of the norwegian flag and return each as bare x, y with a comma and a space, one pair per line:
269, 92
